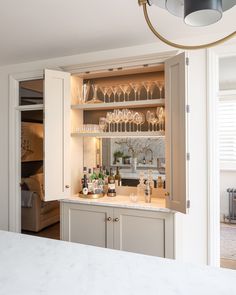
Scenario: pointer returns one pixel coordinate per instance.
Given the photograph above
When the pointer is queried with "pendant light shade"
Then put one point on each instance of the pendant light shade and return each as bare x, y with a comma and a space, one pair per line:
194, 13
202, 12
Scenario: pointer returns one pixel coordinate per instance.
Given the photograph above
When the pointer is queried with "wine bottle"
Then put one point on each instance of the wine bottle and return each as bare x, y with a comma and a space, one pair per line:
85, 185
111, 185
117, 177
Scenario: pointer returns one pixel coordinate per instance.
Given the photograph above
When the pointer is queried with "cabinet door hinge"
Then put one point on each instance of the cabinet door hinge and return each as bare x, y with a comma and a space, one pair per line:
187, 108
188, 204
187, 61
188, 156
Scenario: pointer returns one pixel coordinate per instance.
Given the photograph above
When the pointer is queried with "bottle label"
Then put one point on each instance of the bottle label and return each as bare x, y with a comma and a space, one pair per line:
85, 191
111, 186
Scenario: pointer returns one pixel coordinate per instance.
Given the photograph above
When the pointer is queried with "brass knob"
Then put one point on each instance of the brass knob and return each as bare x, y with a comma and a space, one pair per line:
67, 186
108, 218
116, 219
167, 194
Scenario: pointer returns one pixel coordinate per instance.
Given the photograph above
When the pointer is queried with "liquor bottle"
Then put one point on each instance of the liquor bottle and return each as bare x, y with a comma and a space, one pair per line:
117, 177
148, 192
111, 185
85, 185
100, 174
94, 174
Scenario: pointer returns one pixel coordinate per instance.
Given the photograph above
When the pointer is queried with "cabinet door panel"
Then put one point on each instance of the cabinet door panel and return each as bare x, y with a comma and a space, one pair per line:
176, 133
56, 135
142, 232
88, 225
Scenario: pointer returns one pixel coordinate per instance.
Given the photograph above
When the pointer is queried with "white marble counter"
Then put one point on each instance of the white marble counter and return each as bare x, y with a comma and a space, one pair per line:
33, 266
119, 201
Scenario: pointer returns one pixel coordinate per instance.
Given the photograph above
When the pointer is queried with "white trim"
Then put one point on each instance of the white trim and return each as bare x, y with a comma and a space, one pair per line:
213, 161
14, 145
32, 107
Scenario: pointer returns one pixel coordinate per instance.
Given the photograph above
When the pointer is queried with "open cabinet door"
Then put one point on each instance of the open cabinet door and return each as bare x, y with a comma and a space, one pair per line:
176, 133
56, 135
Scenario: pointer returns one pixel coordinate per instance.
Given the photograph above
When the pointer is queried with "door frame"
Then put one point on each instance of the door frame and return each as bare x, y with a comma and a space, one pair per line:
15, 145
213, 163
14, 116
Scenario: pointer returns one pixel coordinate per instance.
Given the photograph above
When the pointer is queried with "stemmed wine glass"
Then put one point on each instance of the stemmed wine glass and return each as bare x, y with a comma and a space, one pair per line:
128, 91
147, 86
114, 91
125, 118
161, 117
136, 87
160, 86
124, 88
104, 90
119, 92
109, 120
109, 93
152, 87
130, 115
103, 123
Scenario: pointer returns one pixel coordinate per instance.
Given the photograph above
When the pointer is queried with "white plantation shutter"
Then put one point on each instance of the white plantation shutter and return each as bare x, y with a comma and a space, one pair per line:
227, 133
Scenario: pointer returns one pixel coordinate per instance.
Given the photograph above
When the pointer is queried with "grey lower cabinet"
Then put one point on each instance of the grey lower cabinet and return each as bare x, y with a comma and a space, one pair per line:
132, 230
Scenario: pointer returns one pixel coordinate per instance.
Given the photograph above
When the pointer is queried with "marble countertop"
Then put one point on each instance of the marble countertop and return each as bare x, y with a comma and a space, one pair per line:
32, 266
157, 204
128, 174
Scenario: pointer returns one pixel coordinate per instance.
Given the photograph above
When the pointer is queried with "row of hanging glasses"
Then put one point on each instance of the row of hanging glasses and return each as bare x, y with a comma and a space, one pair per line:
121, 92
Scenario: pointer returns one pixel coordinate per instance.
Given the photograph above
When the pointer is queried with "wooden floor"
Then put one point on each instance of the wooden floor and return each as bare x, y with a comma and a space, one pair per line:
51, 232
228, 246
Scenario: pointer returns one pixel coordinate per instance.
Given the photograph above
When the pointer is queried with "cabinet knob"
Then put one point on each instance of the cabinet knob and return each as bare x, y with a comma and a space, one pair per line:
167, 194
116, 219
67, 186
108, 218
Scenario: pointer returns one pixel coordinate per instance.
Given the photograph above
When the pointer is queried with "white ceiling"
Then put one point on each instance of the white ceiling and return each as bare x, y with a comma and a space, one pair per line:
40, 29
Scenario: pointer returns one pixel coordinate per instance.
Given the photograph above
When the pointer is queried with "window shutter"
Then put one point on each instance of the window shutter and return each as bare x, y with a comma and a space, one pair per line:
227, 130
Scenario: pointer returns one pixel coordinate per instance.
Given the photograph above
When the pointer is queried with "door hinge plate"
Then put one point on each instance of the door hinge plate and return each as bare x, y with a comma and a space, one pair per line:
187, 108
187, 61
188, 204
188, 156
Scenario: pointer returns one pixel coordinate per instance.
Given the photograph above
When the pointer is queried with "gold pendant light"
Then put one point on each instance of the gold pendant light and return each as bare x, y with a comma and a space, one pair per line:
195, 13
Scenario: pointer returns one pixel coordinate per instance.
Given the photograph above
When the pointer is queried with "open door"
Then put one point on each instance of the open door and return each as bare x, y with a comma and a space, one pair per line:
176, 133
56, 135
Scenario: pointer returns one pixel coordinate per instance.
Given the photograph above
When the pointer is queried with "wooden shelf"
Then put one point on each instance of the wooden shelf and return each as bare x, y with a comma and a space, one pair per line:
117, 105
159, 134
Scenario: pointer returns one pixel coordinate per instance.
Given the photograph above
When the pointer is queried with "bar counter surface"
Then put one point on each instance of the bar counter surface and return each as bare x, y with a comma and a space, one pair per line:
32, 266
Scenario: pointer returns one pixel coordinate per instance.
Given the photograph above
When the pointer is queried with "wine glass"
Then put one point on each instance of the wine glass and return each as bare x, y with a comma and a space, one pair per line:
114, 91
117, 119
147, 86
160, 86
161, 117
124, 88
86, 89
128, 91
104, 90
119, 92
125, 118
109, 93
109, 120
102, 124
130, 115
150, 118
136, 87
152, 87
142, 120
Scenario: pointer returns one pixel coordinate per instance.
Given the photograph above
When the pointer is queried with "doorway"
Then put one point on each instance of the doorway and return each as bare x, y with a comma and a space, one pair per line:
227, 160
38, 218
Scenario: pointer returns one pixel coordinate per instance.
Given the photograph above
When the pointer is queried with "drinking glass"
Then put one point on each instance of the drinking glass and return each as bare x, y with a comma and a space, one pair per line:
119, 92
109, 120
124, 88
109, 93
104, 90
147, 86
102, 124
152, 87
128, 91
136, 87
117, 119
160, 86
130, 115
86, 89
150, 117
125, 117
95, 98
114, 91
161, 117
